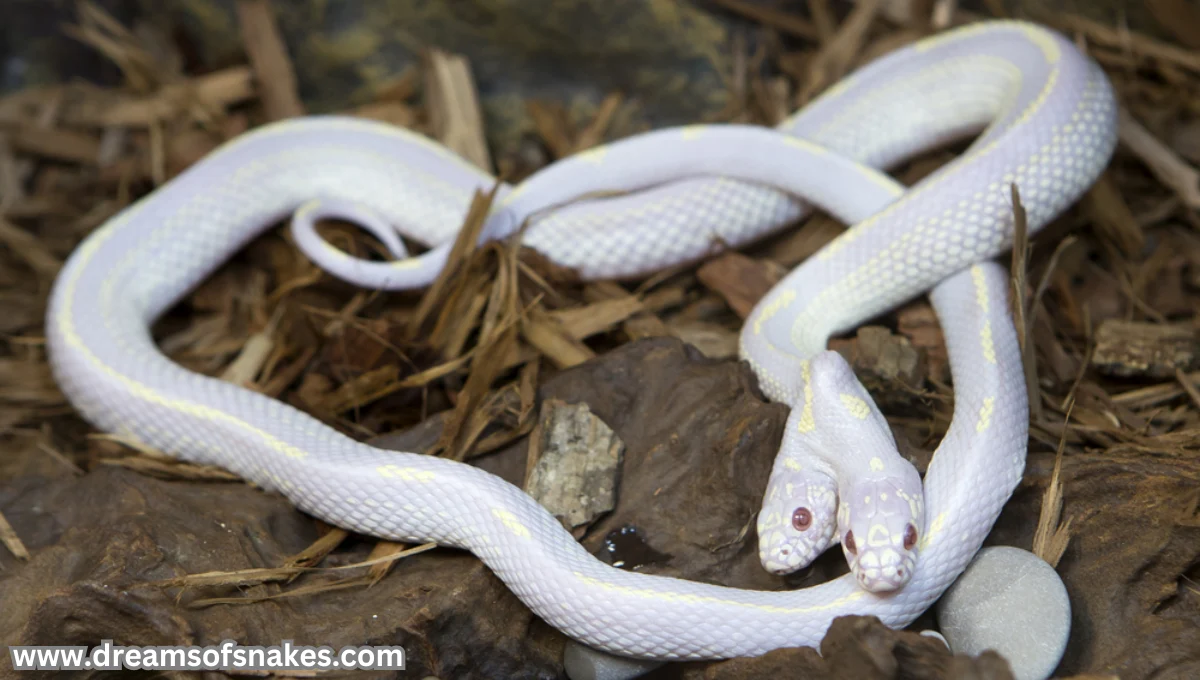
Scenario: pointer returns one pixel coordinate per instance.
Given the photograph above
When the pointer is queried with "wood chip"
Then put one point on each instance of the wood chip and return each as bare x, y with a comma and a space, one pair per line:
800, 244
1170, 169
645, 326
741, 280
395, 113
1123, 39
553, 126
1111, 215
643, 322
11, 540
836, 56
12, 191
384, 550
454, 108
142, 71
268, 57
593, 134
360, 390
29, 248
172, 470
876, 353
1189, 386
550, 338
781, 21
250, 361
1139, 348
598, 317
1180, 18
318, 549
56, 144
215, 90
714, 341
824, 19
919, 323
943, 13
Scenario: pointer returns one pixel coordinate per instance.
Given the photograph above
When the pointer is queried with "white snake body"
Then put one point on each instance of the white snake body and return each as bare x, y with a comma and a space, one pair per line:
1048, 120
1055, 131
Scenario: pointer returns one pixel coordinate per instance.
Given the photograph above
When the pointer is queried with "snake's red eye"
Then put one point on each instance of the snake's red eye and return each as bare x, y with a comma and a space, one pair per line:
801, 519
848, 541
910, 537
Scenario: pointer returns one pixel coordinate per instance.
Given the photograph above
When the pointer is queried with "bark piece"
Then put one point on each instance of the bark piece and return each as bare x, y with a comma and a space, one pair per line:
1137, 348
741, 280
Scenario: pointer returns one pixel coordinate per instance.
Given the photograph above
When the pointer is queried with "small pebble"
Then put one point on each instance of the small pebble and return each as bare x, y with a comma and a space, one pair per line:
1011, 601
936, 636
584, 663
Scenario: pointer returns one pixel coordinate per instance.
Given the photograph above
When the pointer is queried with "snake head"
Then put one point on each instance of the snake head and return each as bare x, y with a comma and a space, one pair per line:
880, 521
798, 518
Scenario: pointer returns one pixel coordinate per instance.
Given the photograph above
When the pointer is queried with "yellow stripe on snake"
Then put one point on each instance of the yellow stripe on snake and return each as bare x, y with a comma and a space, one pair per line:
1044, 117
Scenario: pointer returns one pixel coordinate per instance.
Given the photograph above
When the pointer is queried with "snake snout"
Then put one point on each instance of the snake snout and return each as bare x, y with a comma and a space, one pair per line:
881, 532
884, 570
797, 521
783, 553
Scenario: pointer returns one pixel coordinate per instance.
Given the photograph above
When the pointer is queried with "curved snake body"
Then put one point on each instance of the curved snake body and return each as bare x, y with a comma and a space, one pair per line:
1048, 126
1056, 129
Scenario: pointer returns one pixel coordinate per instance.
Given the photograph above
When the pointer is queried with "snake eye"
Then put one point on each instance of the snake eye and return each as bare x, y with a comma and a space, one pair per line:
910, 537
848, 541
801, 519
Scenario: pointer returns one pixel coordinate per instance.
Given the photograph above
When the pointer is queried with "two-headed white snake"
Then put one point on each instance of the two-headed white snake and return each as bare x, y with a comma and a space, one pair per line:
1049, 116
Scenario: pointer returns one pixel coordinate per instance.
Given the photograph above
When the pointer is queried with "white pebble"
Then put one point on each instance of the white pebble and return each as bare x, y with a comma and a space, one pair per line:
936, 636
584, 663
1010, 601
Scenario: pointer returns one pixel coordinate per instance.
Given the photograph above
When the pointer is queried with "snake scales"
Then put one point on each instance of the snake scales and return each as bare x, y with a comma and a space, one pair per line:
1045, 119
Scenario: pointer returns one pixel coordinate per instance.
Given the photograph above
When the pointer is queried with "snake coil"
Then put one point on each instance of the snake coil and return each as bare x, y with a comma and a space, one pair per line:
1045, 119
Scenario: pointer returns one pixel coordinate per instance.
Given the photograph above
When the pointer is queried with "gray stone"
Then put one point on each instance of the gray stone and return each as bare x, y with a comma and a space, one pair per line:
584, 663
1011, 601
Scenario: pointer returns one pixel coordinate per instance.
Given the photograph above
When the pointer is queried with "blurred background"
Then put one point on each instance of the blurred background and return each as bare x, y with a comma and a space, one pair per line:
671, 61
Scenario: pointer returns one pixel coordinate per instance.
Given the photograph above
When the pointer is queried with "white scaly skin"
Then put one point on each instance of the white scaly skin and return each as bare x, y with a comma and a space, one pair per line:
145, 259
879, 539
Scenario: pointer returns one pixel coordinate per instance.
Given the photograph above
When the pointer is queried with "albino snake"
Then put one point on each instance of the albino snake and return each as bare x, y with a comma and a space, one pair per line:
1050, 125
